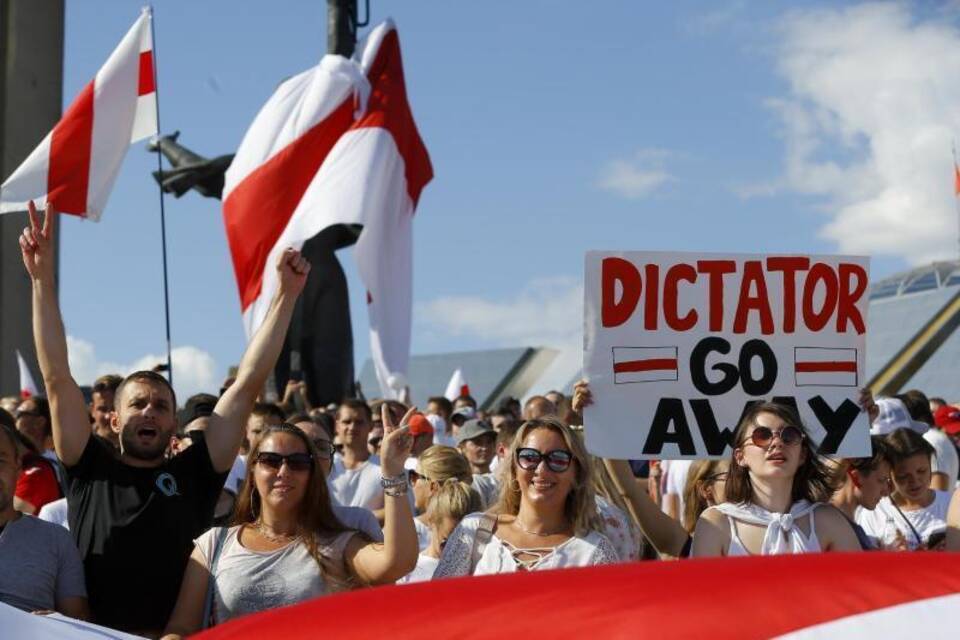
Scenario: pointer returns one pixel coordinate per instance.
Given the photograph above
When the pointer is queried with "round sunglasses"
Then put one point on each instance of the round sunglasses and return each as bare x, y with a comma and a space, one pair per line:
295, 461
557, 460
763, 436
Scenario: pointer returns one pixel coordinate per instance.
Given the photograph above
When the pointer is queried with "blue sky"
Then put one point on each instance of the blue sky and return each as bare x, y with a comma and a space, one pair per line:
695, 126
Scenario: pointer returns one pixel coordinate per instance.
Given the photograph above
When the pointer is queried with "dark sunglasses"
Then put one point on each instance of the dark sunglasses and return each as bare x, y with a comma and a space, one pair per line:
295, 461
558, 460
325, 448
763, 436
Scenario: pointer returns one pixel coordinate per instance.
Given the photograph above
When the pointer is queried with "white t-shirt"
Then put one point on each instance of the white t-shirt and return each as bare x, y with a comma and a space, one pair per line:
423, 534
359, 519
926, 521
497, 556
238, 472
55, 512
358, 487
675, 480
488, 486
422, 572
946, 460
620, 530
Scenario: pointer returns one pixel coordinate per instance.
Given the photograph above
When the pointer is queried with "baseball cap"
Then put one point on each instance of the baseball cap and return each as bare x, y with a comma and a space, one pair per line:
461, 415
473, 429
420, 425
198, 406
893, 416
947, 418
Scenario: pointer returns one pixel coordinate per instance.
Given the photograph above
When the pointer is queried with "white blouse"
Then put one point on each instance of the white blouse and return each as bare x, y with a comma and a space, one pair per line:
498, 555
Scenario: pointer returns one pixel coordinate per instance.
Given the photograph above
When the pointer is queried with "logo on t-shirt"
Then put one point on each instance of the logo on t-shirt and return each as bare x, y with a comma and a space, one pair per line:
167, 484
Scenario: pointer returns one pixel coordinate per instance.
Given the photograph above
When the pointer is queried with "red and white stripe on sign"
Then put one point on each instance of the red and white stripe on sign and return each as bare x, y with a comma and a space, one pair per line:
644, 364
825, 367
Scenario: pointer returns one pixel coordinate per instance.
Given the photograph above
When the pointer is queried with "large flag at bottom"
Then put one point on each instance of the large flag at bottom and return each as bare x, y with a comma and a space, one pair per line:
76, 164
851, 596
336, 144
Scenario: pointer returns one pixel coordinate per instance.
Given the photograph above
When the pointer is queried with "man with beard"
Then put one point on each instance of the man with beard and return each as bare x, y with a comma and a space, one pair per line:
135, 514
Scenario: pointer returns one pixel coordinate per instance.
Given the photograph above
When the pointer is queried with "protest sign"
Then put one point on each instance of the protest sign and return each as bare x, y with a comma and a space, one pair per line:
678, 345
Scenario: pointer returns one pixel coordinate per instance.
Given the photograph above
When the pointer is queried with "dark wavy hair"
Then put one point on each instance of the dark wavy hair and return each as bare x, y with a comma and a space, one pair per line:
315, 516
812, 482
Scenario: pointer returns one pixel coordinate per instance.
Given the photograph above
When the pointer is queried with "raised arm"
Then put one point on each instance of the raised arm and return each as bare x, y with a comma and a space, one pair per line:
224, 432
68, 411
397, 556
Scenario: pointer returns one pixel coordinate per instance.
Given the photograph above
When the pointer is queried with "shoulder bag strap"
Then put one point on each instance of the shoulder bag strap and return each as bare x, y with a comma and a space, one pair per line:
208, 602
484, 533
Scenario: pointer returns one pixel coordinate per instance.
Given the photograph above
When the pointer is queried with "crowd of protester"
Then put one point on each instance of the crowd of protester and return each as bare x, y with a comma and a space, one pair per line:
232, 505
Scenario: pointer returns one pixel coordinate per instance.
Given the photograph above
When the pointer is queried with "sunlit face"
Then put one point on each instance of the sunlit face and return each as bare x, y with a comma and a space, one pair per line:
257, 424
776, 459
479, 451
873, 485
31, 424
911, 477
281, 489
353, 427
101, 407
145, 419
319, 437
542, 485
423, 489
715, 485
437, 410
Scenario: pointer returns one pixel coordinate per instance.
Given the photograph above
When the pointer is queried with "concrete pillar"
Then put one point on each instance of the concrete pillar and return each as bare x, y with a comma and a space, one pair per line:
31, 97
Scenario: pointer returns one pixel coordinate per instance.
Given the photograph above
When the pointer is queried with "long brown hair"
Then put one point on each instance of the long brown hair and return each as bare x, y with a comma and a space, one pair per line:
580, 507
812, 480
315, 515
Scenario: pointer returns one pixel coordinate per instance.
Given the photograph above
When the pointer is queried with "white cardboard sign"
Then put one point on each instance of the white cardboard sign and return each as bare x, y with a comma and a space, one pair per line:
677, 345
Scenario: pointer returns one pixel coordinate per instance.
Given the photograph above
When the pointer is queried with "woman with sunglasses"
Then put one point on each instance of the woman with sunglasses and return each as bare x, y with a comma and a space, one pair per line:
914, 516
435, 467
775, 490
287, 544
546, 516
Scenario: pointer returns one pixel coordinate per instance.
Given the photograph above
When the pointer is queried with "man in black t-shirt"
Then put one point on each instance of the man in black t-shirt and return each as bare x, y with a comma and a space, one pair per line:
134, 514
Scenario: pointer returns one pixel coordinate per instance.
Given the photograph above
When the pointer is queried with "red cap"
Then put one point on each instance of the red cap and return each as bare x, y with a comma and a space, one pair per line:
947, 418
419, 424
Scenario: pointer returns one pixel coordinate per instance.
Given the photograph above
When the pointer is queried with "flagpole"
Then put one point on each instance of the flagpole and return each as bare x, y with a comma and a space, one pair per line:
163, 214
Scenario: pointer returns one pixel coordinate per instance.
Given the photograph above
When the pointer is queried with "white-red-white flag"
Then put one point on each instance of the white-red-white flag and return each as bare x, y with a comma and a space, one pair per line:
76, 164
336, 144
28, 387
457, 386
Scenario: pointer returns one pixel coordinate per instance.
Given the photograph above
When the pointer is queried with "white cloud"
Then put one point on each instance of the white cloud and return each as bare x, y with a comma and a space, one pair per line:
547, 312
873, 105
194, 370
637, 177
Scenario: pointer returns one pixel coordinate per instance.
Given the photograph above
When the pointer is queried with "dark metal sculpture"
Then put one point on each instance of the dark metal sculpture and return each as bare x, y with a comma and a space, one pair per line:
190, 171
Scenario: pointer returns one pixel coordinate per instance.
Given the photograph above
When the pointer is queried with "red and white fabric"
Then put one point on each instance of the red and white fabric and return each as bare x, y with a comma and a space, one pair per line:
28, 387
457, 386
826, 595
76, 164
336, 144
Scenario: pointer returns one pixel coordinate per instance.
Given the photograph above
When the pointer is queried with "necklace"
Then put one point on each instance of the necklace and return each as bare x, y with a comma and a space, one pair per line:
273, 537
546, 534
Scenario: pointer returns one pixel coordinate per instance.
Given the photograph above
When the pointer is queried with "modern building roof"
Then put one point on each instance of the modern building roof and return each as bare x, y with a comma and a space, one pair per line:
900, 306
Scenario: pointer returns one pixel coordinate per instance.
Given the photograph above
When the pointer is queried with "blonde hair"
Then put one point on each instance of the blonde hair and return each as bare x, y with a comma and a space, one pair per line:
454, 499
580, 508
699, 477
439, 463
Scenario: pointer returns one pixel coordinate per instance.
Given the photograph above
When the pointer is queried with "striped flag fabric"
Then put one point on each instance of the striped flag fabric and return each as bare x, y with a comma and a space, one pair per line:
28, 387
336, 144
825, 367
457, 386
644, 364
824, 595
75, 165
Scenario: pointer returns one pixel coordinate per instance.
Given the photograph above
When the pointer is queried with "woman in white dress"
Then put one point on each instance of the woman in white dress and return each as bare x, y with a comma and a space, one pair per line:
914, 516
546, 517
775, 489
